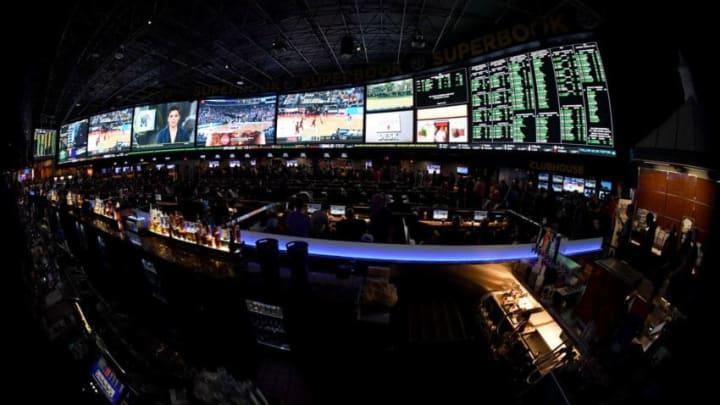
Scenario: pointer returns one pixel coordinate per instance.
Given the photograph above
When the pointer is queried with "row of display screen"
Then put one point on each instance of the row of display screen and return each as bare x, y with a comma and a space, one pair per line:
549, 100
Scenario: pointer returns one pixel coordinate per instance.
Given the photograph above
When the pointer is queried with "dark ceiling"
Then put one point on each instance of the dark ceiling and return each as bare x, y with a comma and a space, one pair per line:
89, 56
109, 54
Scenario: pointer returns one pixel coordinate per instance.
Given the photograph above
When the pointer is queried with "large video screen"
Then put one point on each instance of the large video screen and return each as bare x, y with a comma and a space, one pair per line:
72, 143
389, 117
327, 116
395, 95
389, 127
552, 100
442, 124
44, 143
110, 133
444, 88
236, 122
168, 125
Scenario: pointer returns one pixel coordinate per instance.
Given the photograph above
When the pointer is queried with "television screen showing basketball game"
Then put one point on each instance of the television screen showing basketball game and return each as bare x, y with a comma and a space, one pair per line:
110, 132
324, 116
236, 122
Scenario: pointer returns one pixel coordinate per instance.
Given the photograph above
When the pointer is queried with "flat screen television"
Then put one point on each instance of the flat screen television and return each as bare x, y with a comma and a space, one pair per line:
312, 207
106, 380
324, 116
442, 124
44, 143
543, 185
72, 142
368, 164
433, 169
394, 95
548, 100
543, 176
337, 210
166, 125
440, 215
389, 127
213, 163
110, 133
462, 170
236, 121
291, 163
573, 185
590, 183
234, 163
444, 88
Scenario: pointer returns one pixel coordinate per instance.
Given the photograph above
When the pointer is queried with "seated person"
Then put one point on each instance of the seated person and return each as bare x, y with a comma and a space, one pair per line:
350, 228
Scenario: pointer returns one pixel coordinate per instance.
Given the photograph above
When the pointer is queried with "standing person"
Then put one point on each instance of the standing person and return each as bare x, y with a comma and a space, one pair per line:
173, 132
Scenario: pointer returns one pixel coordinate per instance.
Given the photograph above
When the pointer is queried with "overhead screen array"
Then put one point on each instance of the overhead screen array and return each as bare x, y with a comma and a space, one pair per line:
548, 100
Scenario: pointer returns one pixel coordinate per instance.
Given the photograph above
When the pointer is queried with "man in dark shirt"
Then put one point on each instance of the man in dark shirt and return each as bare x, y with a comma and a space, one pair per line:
350, 228
298, 223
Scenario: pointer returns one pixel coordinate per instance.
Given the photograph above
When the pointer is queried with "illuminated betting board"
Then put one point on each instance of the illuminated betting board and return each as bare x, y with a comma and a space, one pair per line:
444, 88
550, 100
44, 143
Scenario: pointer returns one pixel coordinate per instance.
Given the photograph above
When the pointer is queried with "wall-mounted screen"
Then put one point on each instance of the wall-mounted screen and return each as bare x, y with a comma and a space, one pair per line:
395, 95
168, 125
327, 116
543, 176
312, 207
110, 133
441, 89
236, 122
389, 127
573, 185
462, 170
72, 144
291, 163
234, 163
433, 168
550, 100
442, 125
106, 380
439, 215
44, 143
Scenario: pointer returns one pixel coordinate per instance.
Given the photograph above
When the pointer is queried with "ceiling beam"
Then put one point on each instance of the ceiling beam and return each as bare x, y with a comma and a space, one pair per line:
362, 32
320, 34
402, 30
266, 16
444, 27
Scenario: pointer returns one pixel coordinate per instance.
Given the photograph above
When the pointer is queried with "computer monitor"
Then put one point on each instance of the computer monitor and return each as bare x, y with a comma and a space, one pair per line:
313, 207
479, 215
440, 215
337, 210
462, 170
